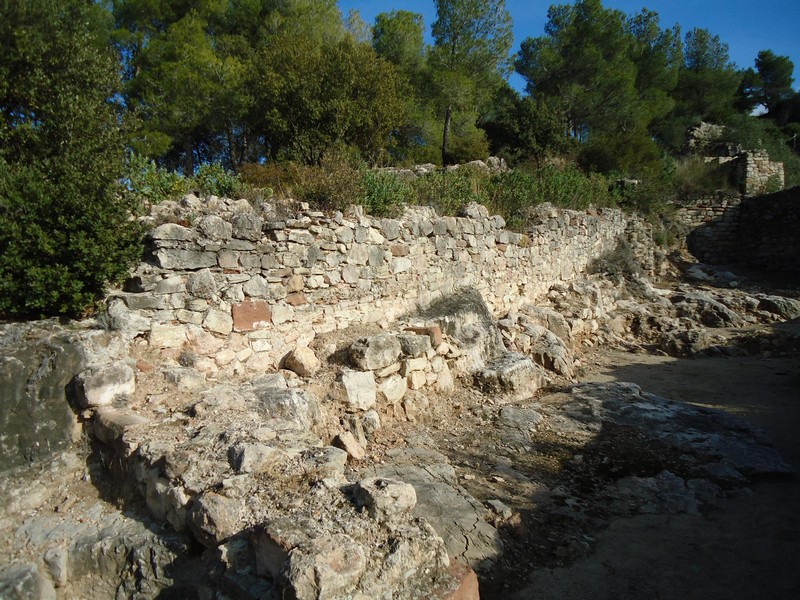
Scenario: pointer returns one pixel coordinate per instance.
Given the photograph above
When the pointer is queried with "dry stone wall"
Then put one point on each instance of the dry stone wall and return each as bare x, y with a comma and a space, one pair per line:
238, 288
713, 225
760, 231
769, 236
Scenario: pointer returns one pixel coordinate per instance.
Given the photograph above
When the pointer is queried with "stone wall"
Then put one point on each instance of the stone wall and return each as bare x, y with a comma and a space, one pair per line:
760, 231
713, 225
239, 288
760, 174
769, 236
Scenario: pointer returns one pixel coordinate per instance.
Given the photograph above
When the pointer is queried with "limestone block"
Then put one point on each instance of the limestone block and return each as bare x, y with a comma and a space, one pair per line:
225, 357
351, 274
296, 299
444, 381
371, 422
109, 424
400, 265
254, 458
247, 226
344, 235
434, 332
393, 388
358, 255
201, 284
257, 287
295, 283
282, 314
356, 389
215, 228
390, 229
188, 260
347, 442
251, 315
300, 236
213, 518
167, 336
512, 374
327, 567
171, 285
414, 345
416, 380
375, 352
172, 232
413, 364
385, 500
218, 321
24, 581
99, 386
297, 408
303, 361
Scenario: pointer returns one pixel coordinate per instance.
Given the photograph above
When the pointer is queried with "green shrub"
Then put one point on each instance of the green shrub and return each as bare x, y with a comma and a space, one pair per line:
448, 191
147, 180
211, 179
65, 232
274, 177
385, 193
695, 176
333, 185
512, 194
60, 244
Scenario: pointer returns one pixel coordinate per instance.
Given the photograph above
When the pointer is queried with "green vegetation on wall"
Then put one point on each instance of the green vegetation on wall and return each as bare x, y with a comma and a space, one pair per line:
106, 105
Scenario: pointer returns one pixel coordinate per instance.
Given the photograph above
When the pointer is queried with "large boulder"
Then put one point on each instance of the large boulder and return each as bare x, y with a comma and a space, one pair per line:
35, 370
375, 352
786, 308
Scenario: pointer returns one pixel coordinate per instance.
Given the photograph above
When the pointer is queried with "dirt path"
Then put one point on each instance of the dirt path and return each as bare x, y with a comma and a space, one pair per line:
750, 548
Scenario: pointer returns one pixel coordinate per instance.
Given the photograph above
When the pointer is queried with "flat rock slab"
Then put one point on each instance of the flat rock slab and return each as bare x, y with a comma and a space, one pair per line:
710, 436
453, 513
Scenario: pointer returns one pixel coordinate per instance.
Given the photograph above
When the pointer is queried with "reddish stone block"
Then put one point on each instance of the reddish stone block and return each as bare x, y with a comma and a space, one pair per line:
251, 315
400, 250
434, 332
296, 299
465, 586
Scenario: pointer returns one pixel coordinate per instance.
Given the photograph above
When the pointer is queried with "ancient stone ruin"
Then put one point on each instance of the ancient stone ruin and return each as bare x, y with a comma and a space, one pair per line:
286, 404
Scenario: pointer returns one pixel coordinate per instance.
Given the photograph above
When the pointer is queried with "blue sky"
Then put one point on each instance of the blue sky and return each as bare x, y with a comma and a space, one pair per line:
747, 26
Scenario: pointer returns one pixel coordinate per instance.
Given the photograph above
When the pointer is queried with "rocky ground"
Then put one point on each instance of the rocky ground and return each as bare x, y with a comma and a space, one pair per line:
618, 440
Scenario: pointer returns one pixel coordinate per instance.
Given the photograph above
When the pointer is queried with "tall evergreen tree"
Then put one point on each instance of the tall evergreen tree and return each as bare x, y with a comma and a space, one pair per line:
64, 232
470, 57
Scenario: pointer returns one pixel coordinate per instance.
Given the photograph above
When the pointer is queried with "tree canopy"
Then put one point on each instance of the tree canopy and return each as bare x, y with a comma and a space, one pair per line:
63, 231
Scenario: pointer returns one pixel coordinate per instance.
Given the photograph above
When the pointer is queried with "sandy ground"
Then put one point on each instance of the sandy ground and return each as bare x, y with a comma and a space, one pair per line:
750, 548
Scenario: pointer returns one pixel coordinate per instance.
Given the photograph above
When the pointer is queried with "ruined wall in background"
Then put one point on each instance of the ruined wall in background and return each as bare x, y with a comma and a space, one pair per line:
239, 288
712, 223
762, 231
769, 235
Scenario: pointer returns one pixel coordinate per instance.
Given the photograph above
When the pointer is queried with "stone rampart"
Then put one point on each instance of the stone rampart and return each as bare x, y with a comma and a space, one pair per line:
238, 289
760, 231
769, 235
713, 225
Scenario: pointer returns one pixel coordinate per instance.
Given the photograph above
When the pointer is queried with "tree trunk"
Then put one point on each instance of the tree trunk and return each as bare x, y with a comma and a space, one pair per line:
188, 161
446, 159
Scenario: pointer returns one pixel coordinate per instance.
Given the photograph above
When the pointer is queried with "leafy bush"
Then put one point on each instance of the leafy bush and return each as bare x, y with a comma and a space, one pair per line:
147, 180
513, 193
213, 179
276, 177
448, 191
333, 185
64, 231
695, 176
385, 193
